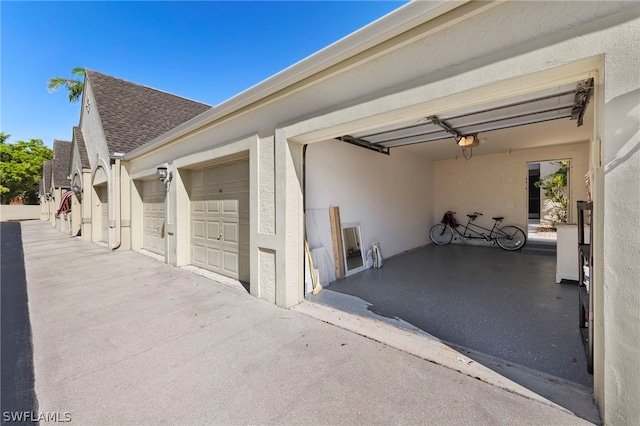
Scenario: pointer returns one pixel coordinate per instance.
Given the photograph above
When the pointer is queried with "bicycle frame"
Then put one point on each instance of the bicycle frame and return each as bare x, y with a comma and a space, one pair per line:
478, 234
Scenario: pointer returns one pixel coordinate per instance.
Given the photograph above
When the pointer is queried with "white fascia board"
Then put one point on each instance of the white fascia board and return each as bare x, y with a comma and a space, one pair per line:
403, 19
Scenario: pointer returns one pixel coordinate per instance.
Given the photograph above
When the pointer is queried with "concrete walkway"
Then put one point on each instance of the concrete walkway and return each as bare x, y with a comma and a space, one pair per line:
120, 338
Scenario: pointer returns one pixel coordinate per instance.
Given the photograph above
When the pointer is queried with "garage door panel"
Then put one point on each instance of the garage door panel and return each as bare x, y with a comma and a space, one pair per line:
231, 263
104, 213
230, 173
198, 229
213, 206
244, 204
212, 176
230, 207
197, 179
213, 257
231, 234
197, 254
198, 206
244, 172
213, 231
153, 201
220, 205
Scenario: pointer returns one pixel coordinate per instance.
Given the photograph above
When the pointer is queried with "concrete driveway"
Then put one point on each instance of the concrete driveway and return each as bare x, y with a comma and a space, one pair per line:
120, 338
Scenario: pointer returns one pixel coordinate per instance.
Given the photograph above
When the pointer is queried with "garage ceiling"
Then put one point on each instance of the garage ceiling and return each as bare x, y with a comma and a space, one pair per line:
538, 119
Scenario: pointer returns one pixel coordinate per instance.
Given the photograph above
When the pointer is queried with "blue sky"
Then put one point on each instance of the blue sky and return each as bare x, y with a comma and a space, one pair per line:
205, 51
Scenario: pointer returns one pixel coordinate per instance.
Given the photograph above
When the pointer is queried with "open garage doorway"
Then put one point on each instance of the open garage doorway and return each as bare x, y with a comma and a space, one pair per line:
396, 181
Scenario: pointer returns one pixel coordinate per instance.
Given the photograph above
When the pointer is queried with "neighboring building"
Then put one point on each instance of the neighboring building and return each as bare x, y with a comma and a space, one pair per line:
243, 177
116, 117
79, 172
60, 183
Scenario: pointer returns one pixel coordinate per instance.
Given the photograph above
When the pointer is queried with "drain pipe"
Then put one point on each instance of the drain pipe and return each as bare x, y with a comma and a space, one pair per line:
115, 244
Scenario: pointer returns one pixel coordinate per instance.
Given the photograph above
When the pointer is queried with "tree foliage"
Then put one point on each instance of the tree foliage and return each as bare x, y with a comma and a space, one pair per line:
554, 186
74, 86
21, 168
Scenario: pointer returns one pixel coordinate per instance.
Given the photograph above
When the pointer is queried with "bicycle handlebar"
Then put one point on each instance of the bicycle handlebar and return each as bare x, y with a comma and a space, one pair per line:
478, 213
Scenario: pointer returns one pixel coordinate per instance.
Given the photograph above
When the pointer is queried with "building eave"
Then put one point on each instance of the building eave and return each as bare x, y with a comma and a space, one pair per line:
389, 26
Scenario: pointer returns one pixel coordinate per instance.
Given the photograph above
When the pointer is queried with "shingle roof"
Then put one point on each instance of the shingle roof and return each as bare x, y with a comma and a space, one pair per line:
132, 114
78, 138
46, 175
60, 163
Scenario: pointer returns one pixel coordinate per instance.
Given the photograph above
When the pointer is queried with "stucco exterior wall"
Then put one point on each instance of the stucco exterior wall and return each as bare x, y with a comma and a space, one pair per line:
91, 127
98, 155
391, 196
496, 185
620, 304
526, 46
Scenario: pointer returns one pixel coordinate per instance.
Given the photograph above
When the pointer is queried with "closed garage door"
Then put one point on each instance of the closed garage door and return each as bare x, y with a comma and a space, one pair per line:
153, 196
103, 195
220, 219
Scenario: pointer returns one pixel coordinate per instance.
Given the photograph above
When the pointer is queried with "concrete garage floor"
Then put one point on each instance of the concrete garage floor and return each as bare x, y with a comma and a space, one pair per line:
489, 301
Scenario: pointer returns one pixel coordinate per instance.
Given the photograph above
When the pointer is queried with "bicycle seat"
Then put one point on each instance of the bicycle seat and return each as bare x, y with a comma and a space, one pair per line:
497, 218
472, 216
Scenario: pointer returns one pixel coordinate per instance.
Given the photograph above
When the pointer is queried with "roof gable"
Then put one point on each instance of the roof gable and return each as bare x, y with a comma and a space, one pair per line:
46, 175
61, 162
132, 115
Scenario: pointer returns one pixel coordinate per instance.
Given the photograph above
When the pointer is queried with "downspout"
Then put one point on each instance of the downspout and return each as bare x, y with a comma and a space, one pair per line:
115, 244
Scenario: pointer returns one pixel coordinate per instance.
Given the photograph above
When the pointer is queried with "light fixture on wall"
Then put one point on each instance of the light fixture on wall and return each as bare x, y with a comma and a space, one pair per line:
467, 141
163, 175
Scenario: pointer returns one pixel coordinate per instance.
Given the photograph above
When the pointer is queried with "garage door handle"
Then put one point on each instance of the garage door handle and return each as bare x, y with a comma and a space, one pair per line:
220, 236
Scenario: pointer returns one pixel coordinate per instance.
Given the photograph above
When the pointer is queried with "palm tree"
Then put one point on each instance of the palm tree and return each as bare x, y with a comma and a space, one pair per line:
74, 87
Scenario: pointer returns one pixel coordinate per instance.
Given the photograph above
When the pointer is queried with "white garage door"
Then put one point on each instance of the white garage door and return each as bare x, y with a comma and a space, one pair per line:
220, 219
153, 195
103, 195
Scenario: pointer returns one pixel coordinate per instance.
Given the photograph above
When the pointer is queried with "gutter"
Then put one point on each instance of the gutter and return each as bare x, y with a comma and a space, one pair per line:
379, 31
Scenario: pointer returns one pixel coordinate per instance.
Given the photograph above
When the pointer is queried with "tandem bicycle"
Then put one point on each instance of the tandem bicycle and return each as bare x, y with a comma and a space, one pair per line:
508, 237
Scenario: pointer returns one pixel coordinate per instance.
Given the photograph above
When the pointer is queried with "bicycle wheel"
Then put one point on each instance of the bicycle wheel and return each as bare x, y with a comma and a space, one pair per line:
511, 238
441, 234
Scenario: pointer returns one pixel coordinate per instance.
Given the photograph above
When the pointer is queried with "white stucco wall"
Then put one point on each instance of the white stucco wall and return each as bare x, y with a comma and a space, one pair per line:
526, 46
92, 132
20, 212
496, 185
391, 196
621, 240
98, 155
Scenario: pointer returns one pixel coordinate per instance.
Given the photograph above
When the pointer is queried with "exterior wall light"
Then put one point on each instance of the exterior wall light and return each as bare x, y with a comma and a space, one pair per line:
163, 175
77, 191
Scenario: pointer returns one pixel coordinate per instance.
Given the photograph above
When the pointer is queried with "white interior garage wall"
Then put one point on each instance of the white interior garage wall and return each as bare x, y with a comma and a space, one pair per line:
389, 195
496, 185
